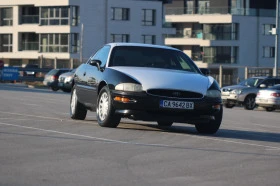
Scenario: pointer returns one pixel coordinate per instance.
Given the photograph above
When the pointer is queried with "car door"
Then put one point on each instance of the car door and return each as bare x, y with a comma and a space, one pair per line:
94, 75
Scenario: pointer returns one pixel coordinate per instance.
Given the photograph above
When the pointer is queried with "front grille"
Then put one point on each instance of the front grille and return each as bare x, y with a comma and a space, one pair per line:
61, 79
174, 93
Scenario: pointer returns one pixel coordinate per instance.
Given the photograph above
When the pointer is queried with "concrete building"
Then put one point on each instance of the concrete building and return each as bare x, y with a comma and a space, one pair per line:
49, 33
232, 33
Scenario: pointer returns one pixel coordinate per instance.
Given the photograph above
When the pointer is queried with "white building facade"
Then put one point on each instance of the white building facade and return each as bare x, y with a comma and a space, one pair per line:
50, 33
233, 34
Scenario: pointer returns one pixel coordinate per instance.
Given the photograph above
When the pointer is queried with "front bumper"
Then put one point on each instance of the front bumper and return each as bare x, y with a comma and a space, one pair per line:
147, 108
233, 98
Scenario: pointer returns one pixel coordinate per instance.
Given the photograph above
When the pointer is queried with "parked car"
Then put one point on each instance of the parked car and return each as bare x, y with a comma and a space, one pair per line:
246, 91
30, 72
269, 98
146, 82
51, 78
65, 81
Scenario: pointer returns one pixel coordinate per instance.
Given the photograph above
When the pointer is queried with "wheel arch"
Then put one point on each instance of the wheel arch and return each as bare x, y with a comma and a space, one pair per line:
101, 85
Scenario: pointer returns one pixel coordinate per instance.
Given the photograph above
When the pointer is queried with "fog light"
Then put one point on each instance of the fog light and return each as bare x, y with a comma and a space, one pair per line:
122, 99
216, 107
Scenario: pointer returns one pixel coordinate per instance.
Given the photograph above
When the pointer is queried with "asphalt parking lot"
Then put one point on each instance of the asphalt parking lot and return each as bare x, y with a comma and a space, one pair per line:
41, 145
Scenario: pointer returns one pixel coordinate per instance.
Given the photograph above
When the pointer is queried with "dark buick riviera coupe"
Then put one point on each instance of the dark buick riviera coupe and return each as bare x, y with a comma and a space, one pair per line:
146, 82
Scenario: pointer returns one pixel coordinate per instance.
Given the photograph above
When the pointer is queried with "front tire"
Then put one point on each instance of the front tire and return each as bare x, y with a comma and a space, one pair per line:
212, 126
77, 110
227, 105
249, 103
105, 112
55, 89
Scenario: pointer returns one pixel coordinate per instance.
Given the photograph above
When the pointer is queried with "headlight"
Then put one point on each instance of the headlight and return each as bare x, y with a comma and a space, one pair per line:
129, 87
213, 93
237, 91
68, 79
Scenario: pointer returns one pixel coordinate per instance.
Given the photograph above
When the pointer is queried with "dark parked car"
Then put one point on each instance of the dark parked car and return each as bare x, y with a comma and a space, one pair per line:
51, 78
65, 81
146, 82
30, 71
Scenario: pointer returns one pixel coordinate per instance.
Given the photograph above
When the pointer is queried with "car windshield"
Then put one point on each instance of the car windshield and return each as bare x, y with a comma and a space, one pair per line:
135, 56
251, 82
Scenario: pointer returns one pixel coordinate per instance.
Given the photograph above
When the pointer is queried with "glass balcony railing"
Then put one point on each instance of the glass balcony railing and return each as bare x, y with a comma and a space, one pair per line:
187, 34
197, 56
222, 10
30, 19
30, 46
219, 60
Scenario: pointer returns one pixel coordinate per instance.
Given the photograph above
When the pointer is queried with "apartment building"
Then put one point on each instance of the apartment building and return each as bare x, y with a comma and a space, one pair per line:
231, 33
60, 33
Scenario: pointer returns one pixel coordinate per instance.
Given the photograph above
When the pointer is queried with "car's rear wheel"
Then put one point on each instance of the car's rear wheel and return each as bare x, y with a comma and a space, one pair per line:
54, 88
66, 90
164, 123
77, 110
212, 126
105, 111
269, 109
227, 105
249, 103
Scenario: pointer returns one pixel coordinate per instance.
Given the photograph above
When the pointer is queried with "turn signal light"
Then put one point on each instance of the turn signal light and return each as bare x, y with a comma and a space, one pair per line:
216, 106
122, 99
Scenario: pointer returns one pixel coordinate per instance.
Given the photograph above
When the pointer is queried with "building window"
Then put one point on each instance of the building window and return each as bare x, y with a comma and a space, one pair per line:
15, 63
268, 52
59, 43
267, 28
220, 55
221, 31
6, 43
120, 38
120, 13
149, 39
55, 16
6, 16
75, 13
148, 17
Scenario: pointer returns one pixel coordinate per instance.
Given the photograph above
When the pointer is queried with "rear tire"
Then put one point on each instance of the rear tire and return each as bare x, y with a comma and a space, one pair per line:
105, 112
77, 110
249, 102
212, 126
269, 109
66, 90
227, 105
164, 123
55, 89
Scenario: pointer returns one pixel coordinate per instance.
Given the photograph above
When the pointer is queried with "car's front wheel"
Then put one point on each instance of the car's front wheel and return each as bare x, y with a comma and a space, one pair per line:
249, 102
105, 111
227, 105
212, 126
77, 110
54, 88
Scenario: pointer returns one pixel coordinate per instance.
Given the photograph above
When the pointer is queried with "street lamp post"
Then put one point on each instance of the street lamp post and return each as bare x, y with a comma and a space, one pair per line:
277, 39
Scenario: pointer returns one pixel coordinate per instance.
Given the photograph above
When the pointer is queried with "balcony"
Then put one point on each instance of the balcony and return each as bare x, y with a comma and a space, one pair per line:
30, 19
30, 46
221, 11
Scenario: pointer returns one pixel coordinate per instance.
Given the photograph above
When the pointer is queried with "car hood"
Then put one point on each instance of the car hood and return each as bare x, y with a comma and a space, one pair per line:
155, 78
67, 74
233, 87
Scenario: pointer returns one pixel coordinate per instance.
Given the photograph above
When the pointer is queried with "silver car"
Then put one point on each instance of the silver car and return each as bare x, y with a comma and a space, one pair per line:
246, 91
269, 98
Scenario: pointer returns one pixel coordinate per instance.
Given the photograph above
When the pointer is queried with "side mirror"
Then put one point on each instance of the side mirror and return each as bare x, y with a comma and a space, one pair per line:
262, 86
95, 62
205, 71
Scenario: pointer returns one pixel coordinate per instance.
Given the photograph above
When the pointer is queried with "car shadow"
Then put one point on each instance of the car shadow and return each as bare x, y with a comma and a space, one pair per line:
222, 133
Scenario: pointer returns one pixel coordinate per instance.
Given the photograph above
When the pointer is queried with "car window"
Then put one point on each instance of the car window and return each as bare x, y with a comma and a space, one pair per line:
52, 72
251, 82
151, 57
277, 81
268, 82
102, 54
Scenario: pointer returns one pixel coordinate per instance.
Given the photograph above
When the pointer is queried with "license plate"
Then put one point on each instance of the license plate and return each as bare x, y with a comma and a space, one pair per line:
176, 104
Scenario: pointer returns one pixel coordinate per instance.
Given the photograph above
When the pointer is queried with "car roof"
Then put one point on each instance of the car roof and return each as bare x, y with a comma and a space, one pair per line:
141, 45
